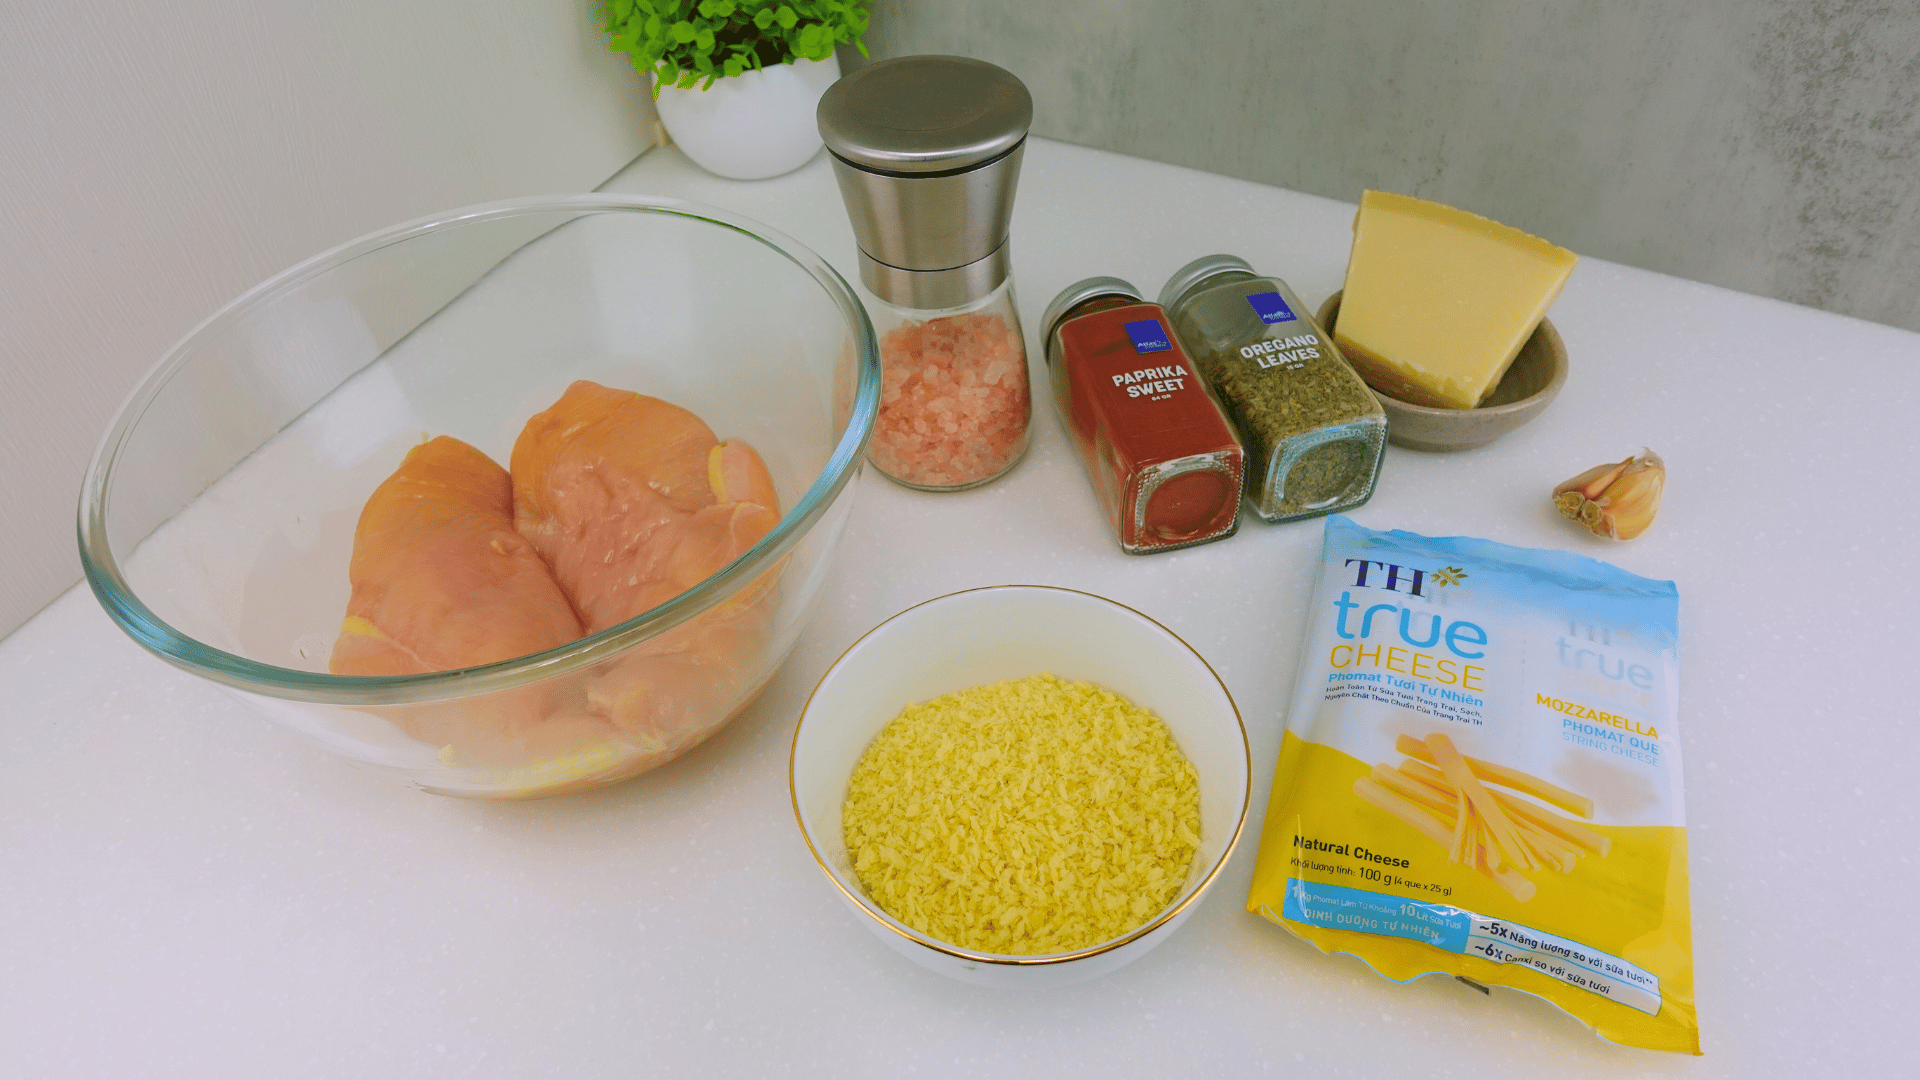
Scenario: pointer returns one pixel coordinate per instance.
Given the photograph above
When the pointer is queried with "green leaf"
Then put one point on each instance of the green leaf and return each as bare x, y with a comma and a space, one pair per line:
715, 38
811, 45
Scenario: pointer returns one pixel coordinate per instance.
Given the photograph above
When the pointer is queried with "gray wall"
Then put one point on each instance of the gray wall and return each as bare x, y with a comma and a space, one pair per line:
1770, 146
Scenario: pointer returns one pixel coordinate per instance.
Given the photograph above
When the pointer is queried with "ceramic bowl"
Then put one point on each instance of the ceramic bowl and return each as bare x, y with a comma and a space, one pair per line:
218, 516
1524, 392
753, 125
986, 635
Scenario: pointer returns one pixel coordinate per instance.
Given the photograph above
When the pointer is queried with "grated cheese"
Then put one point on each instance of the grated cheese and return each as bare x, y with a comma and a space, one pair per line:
1026, 817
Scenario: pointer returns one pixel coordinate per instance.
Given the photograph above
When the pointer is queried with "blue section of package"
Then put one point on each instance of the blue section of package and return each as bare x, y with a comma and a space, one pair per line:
1559, 584
1457, 931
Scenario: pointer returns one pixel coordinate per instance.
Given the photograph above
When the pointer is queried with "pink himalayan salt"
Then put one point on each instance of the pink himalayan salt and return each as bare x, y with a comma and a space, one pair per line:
953, 400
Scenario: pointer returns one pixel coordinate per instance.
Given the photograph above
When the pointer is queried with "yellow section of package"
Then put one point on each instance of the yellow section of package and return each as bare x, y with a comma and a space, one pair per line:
1631, 904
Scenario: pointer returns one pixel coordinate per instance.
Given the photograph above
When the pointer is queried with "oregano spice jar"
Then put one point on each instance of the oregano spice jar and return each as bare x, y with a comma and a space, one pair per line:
1164, 463
1313, 431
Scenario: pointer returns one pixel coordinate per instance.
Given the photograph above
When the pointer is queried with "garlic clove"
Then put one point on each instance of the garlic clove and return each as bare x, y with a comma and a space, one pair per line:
1617, 501
1593, 483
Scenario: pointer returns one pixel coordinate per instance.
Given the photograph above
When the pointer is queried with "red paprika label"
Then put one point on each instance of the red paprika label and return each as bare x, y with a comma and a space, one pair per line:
1162, 458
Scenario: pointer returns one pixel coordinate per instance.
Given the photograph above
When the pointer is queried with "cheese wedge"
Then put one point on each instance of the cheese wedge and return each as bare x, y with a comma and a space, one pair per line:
1439, 301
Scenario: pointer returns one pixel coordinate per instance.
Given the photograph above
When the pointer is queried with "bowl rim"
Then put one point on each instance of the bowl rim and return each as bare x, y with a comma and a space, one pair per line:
1010, 960
103, 572
1556, 348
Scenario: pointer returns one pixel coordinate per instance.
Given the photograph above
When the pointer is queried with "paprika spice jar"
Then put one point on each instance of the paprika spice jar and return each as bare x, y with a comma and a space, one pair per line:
1164, 463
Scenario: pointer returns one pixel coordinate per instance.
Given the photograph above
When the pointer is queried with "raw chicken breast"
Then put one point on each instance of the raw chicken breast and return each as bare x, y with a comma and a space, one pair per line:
632, 501
442, 581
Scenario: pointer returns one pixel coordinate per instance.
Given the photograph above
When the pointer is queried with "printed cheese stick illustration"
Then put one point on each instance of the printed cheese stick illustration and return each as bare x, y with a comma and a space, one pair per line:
1445, 796
1500, 774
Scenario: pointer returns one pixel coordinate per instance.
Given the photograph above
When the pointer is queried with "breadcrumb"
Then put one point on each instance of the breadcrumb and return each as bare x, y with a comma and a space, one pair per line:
1026, 817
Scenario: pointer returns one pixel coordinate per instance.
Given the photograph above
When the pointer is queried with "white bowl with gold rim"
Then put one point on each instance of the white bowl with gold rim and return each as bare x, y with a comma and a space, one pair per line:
980, 636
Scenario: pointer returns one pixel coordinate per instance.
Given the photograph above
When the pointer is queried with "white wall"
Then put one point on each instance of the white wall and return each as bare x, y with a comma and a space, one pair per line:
158, 158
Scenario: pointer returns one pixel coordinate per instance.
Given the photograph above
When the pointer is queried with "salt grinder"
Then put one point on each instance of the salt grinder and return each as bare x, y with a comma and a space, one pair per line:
927, 152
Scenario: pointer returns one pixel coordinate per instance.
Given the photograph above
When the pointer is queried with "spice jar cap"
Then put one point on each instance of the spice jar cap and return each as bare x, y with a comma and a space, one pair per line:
1085, 290
1195, 273
916, 115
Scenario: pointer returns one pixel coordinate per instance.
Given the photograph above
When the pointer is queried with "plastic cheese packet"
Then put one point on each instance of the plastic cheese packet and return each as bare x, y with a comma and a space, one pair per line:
1481, 776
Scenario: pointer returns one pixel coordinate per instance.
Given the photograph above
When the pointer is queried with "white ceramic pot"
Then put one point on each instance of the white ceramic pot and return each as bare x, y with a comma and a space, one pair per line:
752, 125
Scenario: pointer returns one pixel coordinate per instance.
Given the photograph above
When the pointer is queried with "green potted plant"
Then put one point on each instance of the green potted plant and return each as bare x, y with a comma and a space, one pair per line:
736, 82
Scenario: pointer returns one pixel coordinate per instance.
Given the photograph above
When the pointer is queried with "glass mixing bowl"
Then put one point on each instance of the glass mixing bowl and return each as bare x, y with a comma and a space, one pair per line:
218, 515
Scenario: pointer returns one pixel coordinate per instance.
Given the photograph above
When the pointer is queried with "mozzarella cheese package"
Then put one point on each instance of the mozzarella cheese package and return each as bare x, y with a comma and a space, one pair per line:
1481, 777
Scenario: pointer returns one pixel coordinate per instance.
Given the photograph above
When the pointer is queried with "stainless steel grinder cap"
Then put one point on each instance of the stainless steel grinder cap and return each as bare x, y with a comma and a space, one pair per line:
927, 151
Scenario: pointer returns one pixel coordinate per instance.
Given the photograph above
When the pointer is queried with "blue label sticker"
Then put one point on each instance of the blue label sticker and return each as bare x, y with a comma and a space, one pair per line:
1271, 308
1148, 335
1377, 913
1454, 930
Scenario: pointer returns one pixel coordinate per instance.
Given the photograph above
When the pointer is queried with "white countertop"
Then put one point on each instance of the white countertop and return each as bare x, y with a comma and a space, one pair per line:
188, 890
